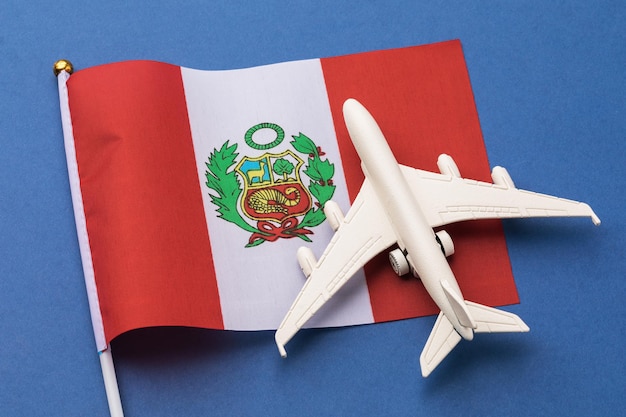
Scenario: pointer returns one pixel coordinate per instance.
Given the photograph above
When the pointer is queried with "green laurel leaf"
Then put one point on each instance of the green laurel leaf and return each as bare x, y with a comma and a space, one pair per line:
321, 173
255, 243
303, 144
223, 180
313, 217
319, 170
322, 193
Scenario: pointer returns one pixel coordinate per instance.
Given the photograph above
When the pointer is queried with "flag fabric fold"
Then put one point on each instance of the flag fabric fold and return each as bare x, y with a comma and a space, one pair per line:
193, 189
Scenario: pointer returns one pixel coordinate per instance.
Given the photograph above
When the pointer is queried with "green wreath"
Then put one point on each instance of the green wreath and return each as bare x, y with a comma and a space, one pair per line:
320, 172
222, 179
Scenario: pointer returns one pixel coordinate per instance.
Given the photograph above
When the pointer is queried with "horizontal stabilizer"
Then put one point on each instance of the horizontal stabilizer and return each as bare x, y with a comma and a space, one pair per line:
443, 338
492, 320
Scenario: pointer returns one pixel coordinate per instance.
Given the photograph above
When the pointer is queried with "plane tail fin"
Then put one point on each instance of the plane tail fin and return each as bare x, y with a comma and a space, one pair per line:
443, 338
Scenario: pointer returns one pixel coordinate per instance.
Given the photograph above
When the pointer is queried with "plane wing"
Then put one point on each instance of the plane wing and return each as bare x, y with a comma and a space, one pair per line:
363, 233
446, 199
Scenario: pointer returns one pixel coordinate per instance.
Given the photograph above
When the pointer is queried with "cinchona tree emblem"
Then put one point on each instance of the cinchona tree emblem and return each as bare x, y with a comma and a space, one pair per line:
263, 192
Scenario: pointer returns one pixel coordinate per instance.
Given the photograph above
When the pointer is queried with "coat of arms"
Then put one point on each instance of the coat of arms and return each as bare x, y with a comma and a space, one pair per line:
264, 193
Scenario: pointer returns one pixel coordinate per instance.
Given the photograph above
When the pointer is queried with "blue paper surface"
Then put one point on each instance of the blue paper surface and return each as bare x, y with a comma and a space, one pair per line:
549, 86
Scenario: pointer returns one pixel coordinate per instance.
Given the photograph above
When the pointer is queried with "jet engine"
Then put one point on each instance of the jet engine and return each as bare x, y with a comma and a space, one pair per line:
307, 260
501, 177
333, 214
447, 166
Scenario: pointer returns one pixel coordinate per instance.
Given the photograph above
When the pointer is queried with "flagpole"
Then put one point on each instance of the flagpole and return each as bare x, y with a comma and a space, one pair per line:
62, 70
110, 383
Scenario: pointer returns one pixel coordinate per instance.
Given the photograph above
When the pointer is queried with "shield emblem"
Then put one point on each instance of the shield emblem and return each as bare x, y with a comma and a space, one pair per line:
273, 190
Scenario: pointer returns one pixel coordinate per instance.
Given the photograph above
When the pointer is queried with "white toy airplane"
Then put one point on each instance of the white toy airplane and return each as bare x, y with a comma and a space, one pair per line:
399, 204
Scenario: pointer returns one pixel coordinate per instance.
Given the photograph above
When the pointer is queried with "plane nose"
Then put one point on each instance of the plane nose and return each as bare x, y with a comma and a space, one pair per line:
351, 104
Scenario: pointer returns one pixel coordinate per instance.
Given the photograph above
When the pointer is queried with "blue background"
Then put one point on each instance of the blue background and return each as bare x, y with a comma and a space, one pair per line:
550, 87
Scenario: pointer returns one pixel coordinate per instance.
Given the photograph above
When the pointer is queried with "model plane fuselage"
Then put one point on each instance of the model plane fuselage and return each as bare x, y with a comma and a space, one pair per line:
401, 205
415, 236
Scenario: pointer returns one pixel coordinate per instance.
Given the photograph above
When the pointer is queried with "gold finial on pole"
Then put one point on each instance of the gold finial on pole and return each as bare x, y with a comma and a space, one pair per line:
62, 65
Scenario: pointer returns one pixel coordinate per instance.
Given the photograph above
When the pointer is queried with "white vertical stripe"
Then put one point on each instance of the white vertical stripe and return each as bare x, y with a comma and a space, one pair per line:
257, 285
79, 213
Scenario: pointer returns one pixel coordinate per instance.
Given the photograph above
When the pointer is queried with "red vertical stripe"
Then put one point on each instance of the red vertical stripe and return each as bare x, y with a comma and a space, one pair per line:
143, 204
423, 102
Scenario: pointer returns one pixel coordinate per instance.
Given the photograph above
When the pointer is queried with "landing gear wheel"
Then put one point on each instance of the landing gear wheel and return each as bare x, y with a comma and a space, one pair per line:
399, 263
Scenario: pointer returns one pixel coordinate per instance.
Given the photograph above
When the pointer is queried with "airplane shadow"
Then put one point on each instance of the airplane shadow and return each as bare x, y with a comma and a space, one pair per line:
485, 355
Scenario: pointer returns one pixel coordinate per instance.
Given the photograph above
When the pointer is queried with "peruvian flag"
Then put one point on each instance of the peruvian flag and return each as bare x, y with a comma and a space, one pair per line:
193, 189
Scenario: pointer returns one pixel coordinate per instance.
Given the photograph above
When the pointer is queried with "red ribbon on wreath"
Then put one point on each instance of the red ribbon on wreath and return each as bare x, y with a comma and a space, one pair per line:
269, 232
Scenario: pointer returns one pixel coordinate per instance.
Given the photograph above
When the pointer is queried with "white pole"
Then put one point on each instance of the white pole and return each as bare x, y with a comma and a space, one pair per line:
110, 383
63, 69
